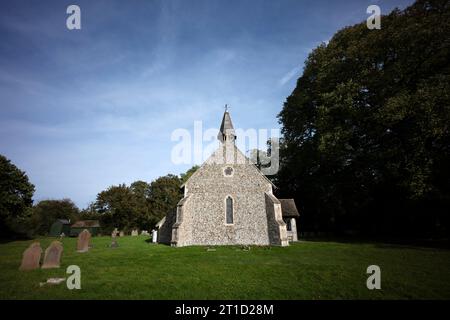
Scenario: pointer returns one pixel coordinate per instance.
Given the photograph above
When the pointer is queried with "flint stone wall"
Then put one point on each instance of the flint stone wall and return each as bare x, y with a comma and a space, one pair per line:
201, 215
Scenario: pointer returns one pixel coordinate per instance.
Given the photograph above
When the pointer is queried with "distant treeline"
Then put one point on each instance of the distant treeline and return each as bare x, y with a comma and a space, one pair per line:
140, 205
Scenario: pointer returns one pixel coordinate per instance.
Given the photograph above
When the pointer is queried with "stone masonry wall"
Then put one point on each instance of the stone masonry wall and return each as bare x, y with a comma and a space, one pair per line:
277, 227
202, 219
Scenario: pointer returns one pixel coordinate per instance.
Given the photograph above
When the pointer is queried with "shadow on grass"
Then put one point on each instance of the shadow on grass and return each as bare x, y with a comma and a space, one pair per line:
149, 241
386, 242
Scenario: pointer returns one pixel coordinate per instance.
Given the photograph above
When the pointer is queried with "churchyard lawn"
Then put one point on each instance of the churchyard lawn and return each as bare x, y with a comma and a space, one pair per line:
305, 270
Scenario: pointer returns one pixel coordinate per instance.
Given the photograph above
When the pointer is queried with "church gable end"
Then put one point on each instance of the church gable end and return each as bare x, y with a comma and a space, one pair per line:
228, 201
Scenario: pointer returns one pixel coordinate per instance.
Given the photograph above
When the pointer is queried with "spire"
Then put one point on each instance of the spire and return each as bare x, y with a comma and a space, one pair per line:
226, 131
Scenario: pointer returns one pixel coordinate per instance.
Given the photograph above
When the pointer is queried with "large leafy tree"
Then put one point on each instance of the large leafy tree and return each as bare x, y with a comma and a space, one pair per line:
16, 193
140, 205
144, 216
366, 131
165, 194
117, 208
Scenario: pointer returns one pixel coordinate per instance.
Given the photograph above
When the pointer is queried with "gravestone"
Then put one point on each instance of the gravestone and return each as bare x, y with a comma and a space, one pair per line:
134, 233
121, 234
144, 233
154, 236
114, 244
52, 255
115, 233
31, 257
83, 241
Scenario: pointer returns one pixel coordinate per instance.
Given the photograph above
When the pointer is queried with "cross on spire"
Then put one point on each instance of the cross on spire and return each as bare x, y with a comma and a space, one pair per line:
226, 131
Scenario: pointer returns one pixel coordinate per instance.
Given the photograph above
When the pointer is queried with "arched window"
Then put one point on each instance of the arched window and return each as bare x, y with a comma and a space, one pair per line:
229, 208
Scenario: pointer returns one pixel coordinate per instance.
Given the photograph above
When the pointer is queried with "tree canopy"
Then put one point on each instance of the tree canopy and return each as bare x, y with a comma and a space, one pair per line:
16, 197
46, 212
366, 131
140, 205
185, 176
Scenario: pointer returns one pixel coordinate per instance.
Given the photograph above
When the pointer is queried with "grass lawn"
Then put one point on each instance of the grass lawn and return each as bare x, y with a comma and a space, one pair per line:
305, 270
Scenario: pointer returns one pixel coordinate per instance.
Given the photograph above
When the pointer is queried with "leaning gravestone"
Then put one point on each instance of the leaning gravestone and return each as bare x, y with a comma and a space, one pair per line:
83, 241
31, 257
52, 255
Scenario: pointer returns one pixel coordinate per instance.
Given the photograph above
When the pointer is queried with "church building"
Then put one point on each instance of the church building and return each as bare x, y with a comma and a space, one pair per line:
228, 201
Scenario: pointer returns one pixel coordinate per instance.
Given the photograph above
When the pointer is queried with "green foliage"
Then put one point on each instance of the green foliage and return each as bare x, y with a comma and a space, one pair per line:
117, 208
140, 205
366, 136
165, 194
16, 193
185, 176
89, 213
46, 212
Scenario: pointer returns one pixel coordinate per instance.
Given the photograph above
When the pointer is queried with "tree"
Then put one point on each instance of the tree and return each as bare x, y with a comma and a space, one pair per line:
89, 213
366, 136
46, 212
165, 194
16, 193
141, 191
185, 176
117, 208
141, 205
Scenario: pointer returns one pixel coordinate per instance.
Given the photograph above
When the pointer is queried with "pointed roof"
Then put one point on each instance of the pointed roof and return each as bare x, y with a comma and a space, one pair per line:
240, 158
226, 128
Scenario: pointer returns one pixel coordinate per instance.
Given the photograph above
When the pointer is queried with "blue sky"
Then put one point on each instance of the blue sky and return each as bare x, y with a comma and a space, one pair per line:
81, 110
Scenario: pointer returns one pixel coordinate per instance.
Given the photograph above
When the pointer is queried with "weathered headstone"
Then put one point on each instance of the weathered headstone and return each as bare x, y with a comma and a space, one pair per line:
121, 234
154, 236
134, 233
83, 241
52, 257
144, 233
115, 233
31, 257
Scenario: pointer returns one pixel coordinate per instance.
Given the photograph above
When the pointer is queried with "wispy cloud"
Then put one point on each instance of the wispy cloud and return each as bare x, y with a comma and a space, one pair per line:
81, 110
